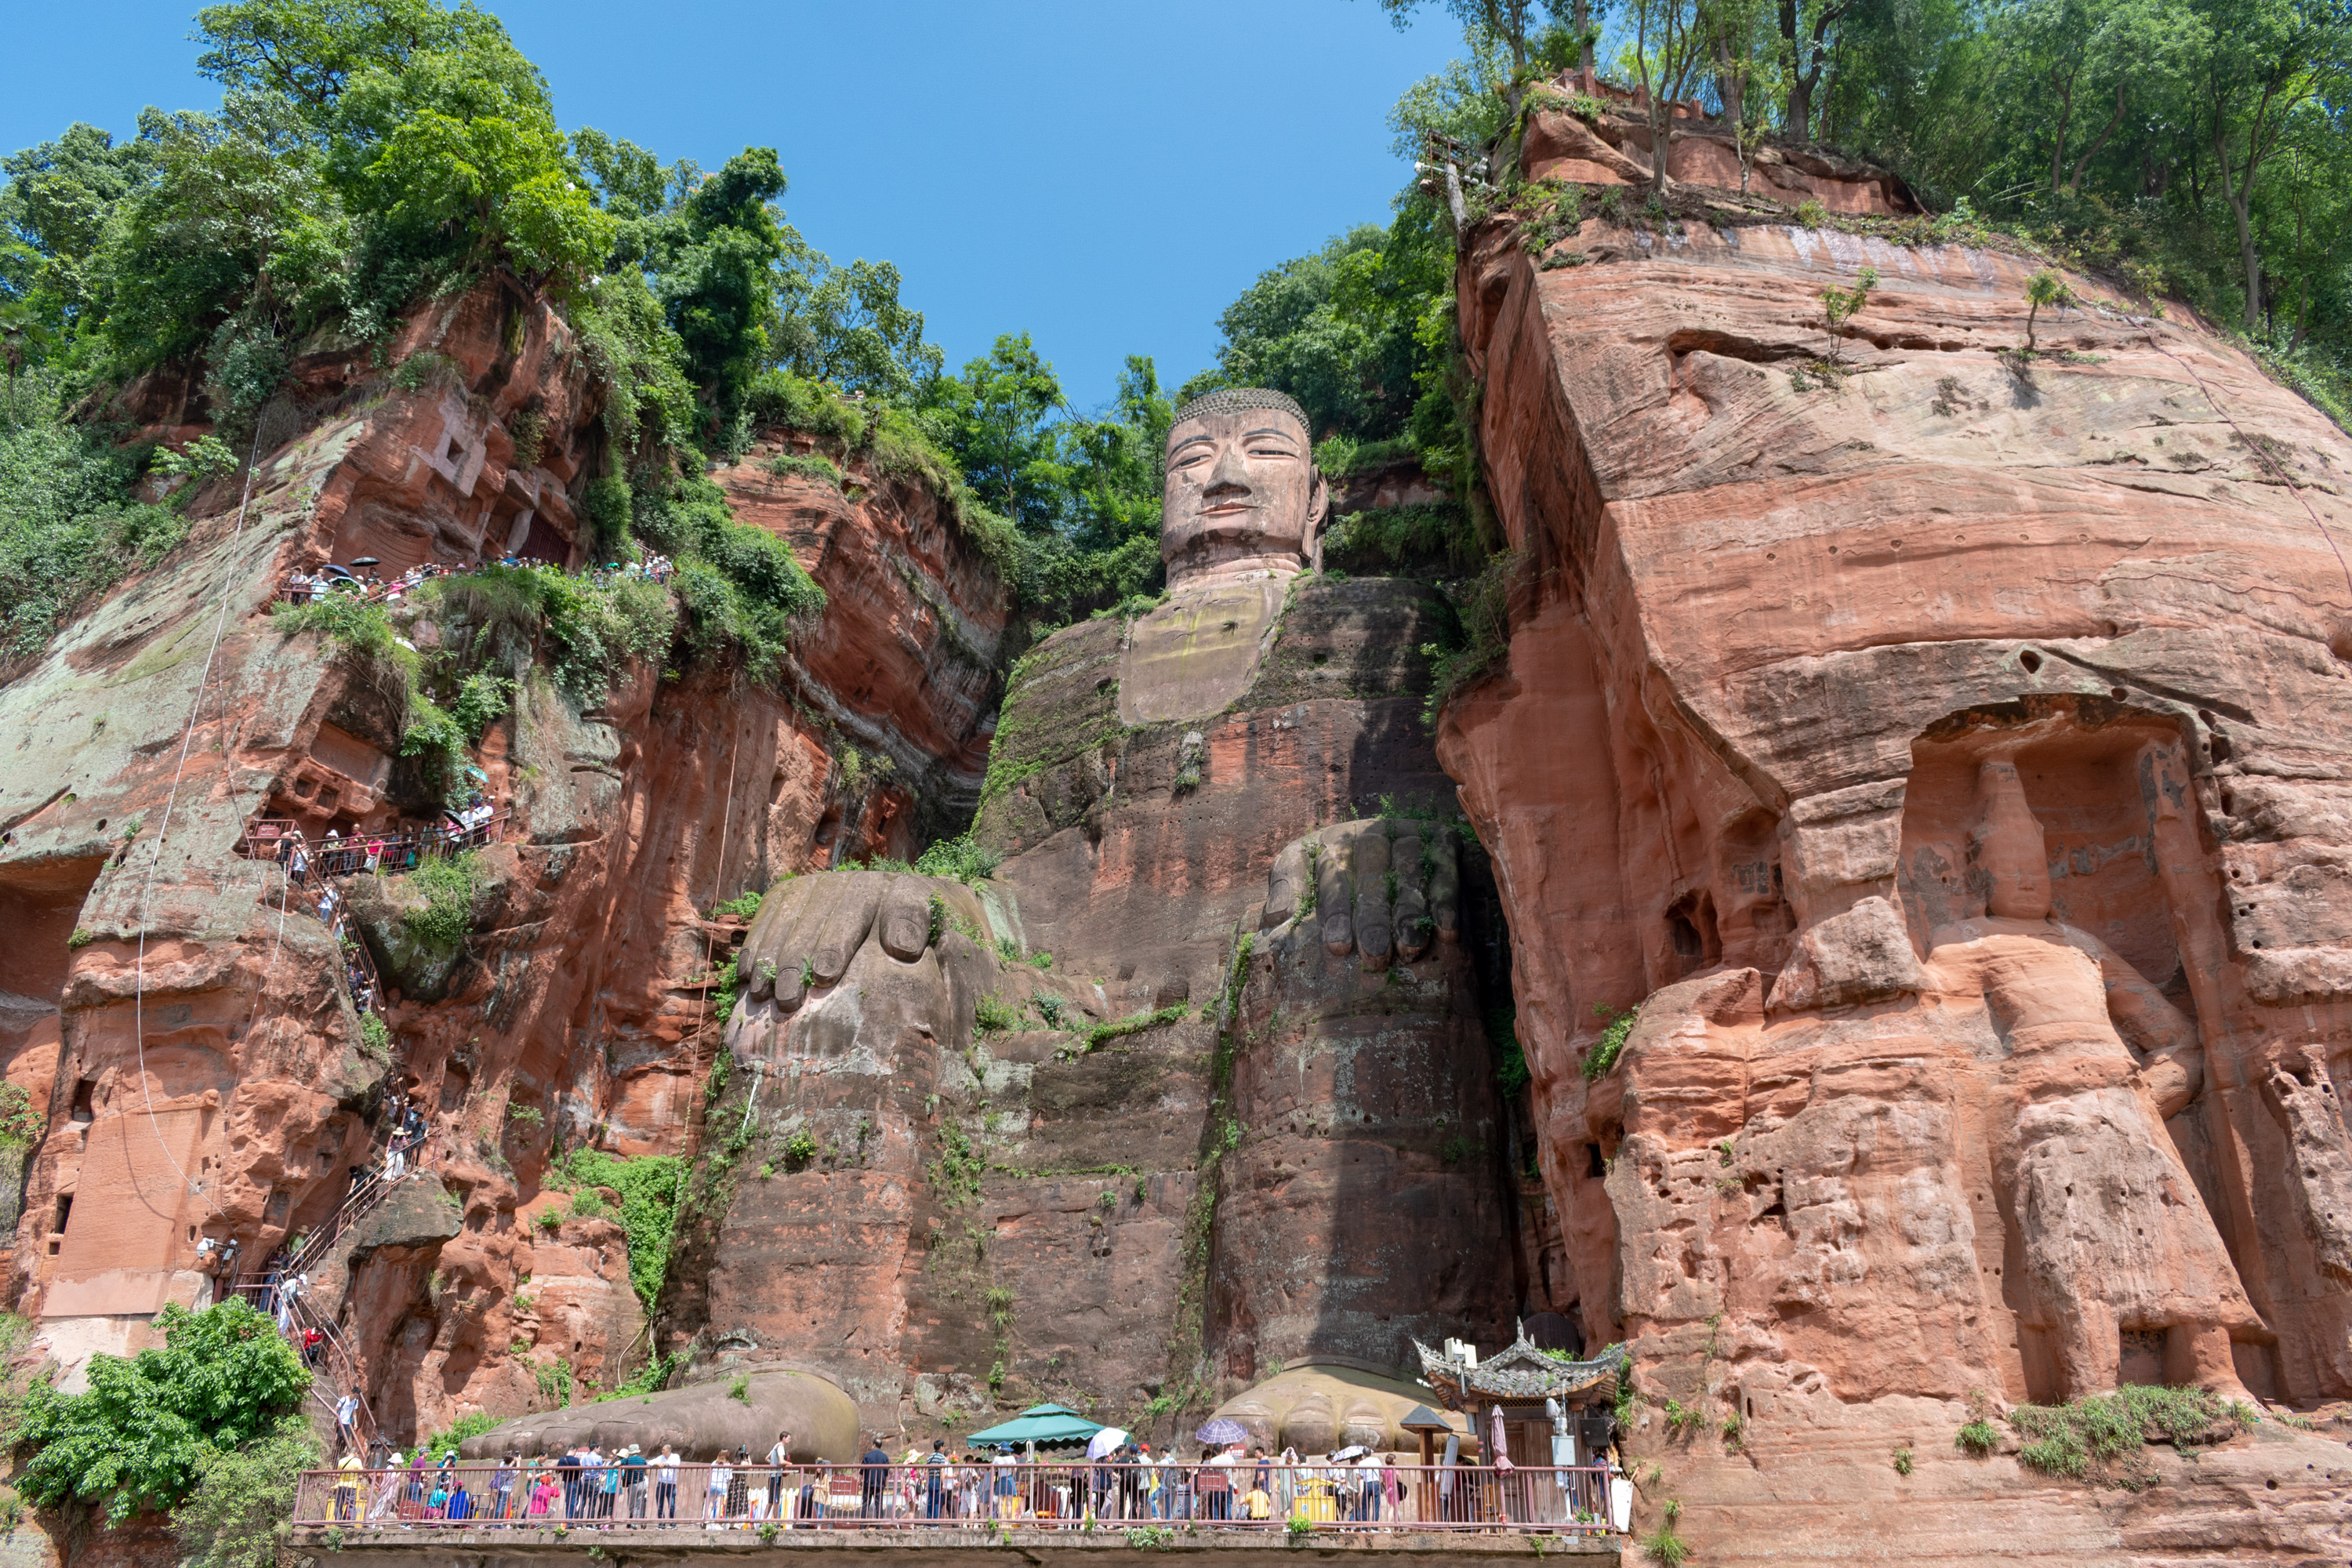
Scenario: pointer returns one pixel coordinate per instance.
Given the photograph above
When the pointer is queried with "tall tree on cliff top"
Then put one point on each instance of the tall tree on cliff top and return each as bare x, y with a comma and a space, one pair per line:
2255, 64
308, 50
1668, 55
1808, 43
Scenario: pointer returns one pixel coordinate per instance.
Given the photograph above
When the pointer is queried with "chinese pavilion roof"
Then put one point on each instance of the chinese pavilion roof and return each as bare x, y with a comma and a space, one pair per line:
1520, 1372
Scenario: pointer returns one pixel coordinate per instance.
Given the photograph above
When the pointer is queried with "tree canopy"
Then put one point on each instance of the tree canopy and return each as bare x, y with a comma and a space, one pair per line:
144, 1433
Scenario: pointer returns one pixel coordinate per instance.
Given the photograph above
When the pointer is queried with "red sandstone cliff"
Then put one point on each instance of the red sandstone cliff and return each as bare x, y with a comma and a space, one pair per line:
180, 1018
1805, 667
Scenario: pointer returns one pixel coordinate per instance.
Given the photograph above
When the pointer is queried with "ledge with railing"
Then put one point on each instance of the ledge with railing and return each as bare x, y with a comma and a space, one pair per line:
278, 839
664, 1495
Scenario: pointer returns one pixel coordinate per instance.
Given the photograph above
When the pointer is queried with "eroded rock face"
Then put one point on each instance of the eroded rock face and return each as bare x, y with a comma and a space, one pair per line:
180, 1019
1942, 756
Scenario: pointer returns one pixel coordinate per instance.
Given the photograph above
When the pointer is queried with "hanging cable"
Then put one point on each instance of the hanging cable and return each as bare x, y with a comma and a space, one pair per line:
162, 831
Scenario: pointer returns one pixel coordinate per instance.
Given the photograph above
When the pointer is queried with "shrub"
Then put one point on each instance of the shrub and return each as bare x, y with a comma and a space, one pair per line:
791, 465
799, 1149
21, 1126
141, 1434
549, 1221
744, 907
1604, 1051
376, 1037
2069, 1440
1977, 1438
960, 858
992, 1016
471, 1424
1483, 608
649, 1189
363, 634
68, 531
449, 887
1662, 1545
1903, 1461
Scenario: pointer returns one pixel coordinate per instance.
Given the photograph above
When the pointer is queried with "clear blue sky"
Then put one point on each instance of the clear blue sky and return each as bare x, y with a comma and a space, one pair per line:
1106, 175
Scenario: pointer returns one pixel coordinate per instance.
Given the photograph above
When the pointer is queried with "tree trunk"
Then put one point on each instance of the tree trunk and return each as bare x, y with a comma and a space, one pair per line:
2065, 114
1583, 14
2238, 194
2074, 184
1797, 122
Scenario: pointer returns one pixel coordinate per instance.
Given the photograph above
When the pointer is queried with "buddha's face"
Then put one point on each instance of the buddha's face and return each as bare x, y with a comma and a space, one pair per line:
1242, 495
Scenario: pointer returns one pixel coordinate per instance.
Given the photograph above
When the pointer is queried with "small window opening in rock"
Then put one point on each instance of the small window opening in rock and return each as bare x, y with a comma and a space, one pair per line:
1594, 1165
101, 825
1690, 928
276, 1213
2031, 661
2220, 747
2119, 693
84, 1100
65, 1212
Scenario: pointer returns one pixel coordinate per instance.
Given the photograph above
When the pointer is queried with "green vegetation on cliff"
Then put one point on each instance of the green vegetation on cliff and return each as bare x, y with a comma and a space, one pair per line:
149, 1428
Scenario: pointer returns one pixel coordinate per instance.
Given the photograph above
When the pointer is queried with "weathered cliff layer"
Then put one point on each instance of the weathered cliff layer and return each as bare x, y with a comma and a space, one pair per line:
1801, 654
182, 1017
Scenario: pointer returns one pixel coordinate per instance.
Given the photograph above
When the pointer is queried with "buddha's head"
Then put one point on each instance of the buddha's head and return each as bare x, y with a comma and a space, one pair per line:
2009, 847
1243, 493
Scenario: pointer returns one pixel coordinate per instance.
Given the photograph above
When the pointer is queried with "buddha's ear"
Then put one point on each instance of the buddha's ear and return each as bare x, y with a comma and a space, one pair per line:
1319, 503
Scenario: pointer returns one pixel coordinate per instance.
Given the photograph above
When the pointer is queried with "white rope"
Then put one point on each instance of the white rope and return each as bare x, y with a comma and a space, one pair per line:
164, 829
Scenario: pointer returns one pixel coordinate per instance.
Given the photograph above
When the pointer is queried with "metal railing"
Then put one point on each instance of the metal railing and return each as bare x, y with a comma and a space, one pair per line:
397, 588
662, 1494
277, 839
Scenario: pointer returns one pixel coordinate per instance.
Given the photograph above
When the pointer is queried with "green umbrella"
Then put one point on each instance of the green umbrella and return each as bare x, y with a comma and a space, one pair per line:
1048, 1424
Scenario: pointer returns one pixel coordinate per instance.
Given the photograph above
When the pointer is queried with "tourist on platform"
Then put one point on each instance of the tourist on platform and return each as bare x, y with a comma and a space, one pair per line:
874, 1470
665, 1483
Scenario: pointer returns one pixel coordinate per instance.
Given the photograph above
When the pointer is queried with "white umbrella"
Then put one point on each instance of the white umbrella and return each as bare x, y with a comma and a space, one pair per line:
1104, 1441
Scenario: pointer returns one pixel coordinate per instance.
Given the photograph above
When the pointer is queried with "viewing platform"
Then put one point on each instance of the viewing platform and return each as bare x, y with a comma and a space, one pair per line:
1108, 1545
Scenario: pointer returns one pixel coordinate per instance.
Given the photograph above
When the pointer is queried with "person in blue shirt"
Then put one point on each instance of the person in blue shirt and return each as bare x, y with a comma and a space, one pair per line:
874, 1469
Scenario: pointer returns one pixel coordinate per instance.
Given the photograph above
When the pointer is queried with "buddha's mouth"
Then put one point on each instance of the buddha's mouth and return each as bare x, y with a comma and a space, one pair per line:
1228, 509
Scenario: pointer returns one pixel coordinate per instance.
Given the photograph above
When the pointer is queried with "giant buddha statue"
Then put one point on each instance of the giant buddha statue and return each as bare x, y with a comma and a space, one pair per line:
1195, 1085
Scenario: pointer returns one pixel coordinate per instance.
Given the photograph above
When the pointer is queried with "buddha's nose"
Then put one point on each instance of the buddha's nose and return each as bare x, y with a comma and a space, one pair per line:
1229, 478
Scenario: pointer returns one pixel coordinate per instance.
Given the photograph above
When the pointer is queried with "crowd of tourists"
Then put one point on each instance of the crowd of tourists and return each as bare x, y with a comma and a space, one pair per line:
587, 1487
361, 579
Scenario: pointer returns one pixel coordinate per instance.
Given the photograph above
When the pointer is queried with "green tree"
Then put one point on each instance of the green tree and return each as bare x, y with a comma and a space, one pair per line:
54, 212
234, 218
998, 420
240, 1512
310, 50
714, 270
1809, 42
141, 1435
845, 326
462, 143
1668, 55
2254, 65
